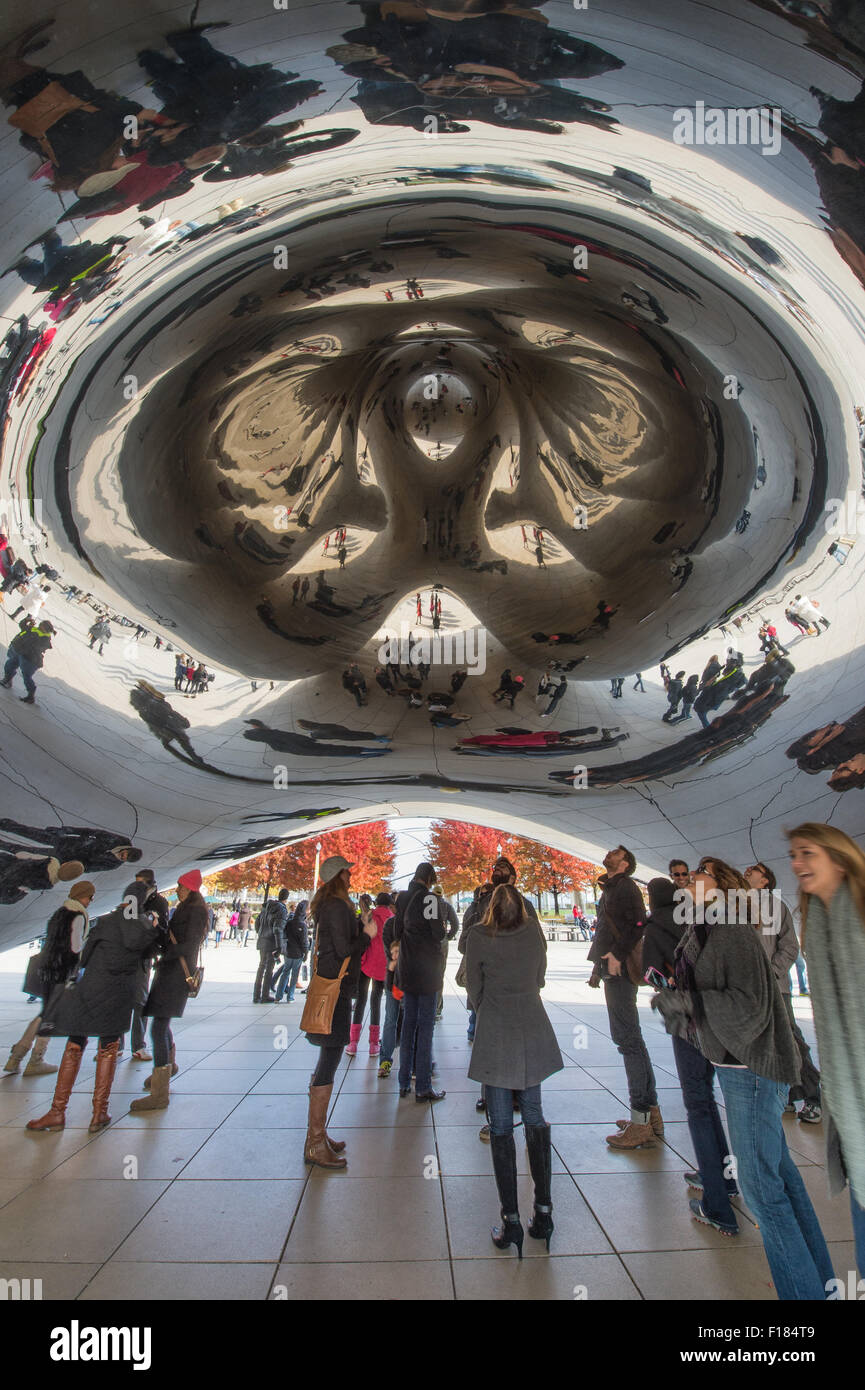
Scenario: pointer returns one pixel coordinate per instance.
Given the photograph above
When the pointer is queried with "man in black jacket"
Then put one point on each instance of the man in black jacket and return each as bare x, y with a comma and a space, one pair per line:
674, 695
419, 926
621, 915
295, 945
26, 654
271, 922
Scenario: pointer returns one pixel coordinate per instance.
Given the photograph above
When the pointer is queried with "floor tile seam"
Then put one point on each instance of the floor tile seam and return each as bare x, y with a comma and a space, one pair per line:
127, 1236
450, 1255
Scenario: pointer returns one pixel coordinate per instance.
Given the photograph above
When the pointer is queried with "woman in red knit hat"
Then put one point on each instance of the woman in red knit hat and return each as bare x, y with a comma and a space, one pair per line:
170, 989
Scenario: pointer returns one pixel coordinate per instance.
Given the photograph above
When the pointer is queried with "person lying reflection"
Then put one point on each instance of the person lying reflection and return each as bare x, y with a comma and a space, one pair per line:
283, 741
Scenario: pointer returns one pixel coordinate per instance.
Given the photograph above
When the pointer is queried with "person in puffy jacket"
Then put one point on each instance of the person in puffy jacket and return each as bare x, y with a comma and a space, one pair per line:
99, 1004
421, 925
26, 654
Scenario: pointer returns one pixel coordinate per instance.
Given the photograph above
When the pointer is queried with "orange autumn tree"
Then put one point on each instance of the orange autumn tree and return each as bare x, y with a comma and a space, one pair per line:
464, 854
371, 848
541, 869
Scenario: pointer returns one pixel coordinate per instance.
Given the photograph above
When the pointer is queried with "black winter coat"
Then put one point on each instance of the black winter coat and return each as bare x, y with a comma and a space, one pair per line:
662, 931
621, 915
169, 992
114, 960
340, 934
421, 926
295, 943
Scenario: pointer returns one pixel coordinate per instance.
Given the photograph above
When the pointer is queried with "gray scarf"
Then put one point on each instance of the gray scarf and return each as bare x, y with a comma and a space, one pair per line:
835, 952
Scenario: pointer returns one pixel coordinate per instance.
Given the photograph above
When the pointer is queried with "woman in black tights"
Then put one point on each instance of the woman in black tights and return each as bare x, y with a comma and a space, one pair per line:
341, 937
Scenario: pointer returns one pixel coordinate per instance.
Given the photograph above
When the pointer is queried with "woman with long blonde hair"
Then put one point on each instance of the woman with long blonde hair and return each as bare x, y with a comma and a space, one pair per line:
830, 868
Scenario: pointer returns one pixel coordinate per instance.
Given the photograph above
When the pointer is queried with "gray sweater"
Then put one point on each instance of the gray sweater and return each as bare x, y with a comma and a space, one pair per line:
739, 1009
781, 946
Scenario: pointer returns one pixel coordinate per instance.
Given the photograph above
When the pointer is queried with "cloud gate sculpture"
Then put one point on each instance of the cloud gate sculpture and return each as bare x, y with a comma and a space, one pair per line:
383, 382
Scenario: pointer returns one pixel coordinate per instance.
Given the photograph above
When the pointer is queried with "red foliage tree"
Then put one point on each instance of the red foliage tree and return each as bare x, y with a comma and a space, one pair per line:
371, 848
463, 855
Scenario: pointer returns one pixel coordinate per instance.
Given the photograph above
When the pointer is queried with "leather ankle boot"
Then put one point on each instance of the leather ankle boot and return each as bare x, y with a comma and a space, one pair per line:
637, 1134
655, 1120
70, 1064
540, 1150
505, 1168
106, 1063
317, 1151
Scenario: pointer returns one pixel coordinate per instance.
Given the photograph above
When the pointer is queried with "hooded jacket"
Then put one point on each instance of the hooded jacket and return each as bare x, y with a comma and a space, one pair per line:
421, 926
32, 643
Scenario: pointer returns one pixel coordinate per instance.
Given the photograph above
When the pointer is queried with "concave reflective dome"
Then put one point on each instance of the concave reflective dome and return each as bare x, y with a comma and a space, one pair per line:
352, 347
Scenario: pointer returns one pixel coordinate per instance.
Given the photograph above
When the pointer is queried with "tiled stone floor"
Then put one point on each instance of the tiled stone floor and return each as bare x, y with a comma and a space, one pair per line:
222, 1205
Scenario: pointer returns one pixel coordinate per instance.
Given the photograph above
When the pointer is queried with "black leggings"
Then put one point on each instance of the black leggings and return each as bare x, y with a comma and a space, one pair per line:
328, 1061
374, 1003
81, 1042
163, 1040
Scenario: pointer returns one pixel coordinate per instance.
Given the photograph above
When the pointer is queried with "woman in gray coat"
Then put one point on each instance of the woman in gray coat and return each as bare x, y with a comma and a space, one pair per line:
515, 1050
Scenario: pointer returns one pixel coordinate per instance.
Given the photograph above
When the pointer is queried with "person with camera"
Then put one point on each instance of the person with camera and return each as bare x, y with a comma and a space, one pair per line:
341, 937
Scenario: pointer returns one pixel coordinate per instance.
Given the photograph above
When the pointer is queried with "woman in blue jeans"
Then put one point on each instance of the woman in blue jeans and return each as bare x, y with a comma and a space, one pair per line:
727, 996
515, 1050
830, 868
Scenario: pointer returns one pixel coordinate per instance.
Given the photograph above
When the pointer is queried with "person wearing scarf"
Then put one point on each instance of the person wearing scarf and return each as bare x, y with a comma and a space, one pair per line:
830, 868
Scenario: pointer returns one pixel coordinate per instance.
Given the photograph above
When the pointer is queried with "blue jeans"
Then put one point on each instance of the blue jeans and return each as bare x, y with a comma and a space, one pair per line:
419, 1011
16, 662
696, 1077
800, 971
470, 1032
858, 1232
500, 1107
388, 1036
288, 978
771, 1185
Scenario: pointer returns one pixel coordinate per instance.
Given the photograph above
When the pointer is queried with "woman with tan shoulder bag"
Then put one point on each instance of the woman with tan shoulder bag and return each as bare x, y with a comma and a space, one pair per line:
341, 937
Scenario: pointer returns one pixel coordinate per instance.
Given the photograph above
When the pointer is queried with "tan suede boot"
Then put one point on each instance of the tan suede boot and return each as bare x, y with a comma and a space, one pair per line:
174, 1069
637, 1134
16, 1057
655, 1120
36, 1066
159, 1092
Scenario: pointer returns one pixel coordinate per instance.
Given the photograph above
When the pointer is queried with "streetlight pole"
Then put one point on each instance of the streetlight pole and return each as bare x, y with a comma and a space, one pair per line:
317, 863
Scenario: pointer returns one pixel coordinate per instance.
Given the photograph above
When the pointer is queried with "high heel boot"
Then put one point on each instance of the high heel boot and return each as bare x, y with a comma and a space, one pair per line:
70, 1064
540, 1149
505, 1168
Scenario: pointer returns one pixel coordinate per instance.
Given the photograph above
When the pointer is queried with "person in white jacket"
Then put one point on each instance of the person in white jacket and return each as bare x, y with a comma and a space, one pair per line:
32, 601
806, 609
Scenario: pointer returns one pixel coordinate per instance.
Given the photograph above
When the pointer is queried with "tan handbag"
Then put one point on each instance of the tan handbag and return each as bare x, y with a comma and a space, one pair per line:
40, 113
321, 997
